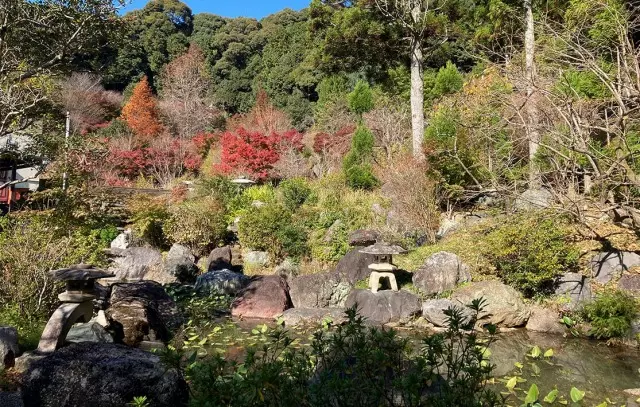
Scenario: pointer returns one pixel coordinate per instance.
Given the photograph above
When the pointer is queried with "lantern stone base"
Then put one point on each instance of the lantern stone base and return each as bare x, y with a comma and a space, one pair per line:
374, 280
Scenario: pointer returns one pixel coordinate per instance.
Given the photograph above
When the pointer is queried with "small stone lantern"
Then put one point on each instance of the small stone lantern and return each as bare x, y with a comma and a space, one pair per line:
77, 303
243, 181
383, 266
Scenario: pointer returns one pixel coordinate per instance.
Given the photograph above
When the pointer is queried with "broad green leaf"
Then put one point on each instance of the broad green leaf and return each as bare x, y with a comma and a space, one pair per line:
548, 353
551, 397
535, 352
576, 395
603, 404
511, 383
532, 395
518, 365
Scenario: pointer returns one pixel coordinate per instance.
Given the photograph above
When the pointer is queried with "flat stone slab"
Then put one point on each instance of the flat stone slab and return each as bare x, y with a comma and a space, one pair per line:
300, 316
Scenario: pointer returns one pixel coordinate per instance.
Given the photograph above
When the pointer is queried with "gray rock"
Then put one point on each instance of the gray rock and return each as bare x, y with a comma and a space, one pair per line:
630, 282
220, 282
265, 297
103, 293
441, 272
288, 269
101, 375
300, 316
135, 263
433, 311
353, 267
363, 237
607, 266
143, 311
532, 199
575, 287
219, 258
180, 263
320, 290
504, 306
89, 332
385, 306
13, 399
122, 241
8, 346
255, 259
545, 320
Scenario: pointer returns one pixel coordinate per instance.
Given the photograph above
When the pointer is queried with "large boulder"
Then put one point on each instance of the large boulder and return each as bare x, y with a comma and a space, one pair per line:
320, 290
441, 272
143, 311
545, 320
264, 297
181, 264
607, 266
220, 282
575, 287
89, 332
8, 346
363, 237
354, 266
532, 199
101, 375
631, 283
433, 311
384, 306
219, 258
504, 306
301, 316
135, 263
122, 241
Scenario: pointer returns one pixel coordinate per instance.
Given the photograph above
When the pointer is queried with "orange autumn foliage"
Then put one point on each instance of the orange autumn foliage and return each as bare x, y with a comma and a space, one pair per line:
141, 112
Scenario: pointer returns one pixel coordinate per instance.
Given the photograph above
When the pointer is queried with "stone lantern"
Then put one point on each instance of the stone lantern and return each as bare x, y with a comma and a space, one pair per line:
242, 181
77, 303
383, 266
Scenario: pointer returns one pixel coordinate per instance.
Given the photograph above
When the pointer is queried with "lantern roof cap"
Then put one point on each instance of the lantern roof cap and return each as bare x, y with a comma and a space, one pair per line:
79, 272
382, 248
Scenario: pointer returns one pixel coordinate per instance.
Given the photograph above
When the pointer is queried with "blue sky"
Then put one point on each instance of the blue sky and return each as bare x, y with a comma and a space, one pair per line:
235, 8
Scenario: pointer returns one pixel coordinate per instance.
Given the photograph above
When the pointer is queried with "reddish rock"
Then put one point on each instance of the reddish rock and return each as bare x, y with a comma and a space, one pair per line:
265, 297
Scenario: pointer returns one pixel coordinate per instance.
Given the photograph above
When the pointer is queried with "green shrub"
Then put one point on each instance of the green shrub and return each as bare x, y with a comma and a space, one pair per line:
361, 177
361, 99
198, 224
294, 192
147, 217
218, 187
30, 247
29, 327
529, 251
352, 365
448, 80
356, 165
243, 202
611, 314
270, 228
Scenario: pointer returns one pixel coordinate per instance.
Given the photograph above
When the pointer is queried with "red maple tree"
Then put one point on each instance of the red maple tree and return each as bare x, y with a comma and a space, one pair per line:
253, 153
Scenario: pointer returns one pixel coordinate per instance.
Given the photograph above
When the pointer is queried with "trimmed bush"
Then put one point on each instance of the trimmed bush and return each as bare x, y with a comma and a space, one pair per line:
361, 99
270, 228
611, 314
198, 224
294, 192
531, 250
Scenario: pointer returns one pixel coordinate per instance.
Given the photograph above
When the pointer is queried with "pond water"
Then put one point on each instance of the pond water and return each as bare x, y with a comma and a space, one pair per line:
601, 371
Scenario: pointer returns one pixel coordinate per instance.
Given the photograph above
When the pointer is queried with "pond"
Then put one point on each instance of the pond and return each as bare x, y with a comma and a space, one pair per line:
602, 372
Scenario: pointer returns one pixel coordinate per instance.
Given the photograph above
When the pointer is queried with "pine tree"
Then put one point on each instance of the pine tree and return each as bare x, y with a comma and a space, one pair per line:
141, 112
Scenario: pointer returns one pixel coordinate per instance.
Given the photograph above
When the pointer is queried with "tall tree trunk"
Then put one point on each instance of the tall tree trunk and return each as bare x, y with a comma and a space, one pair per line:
417, 98
533, 134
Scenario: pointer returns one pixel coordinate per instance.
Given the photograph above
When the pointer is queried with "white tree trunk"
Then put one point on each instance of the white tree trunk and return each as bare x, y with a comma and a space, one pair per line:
533, 133
417, 98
